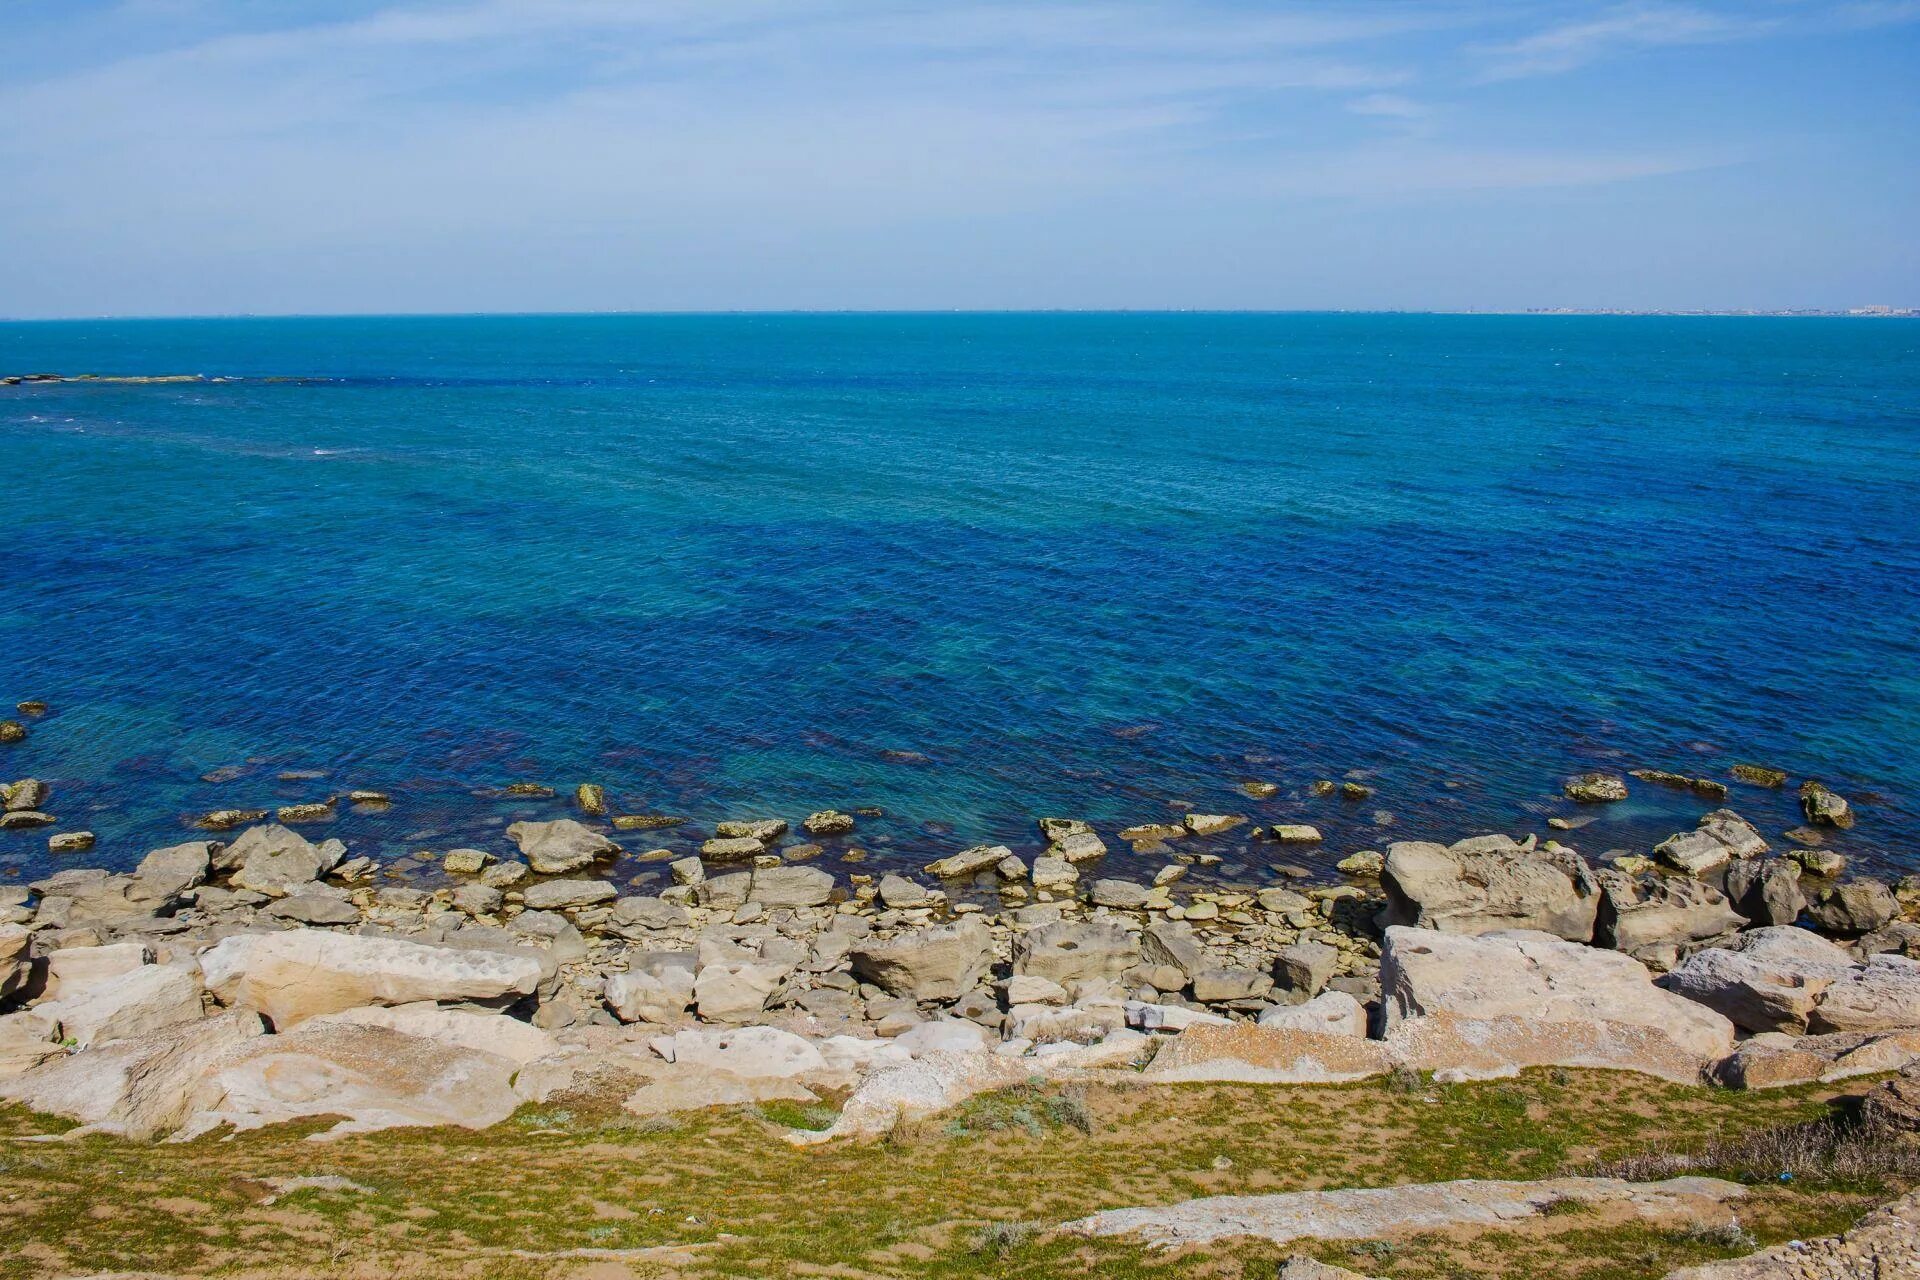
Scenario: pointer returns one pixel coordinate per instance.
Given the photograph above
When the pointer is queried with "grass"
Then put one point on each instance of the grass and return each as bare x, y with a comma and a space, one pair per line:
578, 1188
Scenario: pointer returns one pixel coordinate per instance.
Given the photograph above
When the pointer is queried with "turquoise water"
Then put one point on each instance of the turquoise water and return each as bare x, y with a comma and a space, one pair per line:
970, 568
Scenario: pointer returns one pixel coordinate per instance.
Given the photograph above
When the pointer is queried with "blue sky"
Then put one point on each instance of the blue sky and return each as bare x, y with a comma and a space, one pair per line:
220, 156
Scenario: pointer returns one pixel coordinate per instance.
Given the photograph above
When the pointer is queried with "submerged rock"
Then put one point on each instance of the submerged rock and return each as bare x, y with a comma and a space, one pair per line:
1596, 788
1759, 775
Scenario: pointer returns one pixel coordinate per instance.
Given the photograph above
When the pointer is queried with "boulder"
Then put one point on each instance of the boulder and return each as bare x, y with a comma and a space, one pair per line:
828, 822
1824, 807
1229, 986
970, 862
1072, 839
138, 1088
561, 846
1894, 1107
1498, 1001
91, 898
732, 849
1122, 895
276, 861
1172, 944
737, 990
567, 895
1076, 952
1766, 890
16, 964
303, 972
1304, 968
1054, 873
764, 830
375, 1077
495, 1033
1774, 1059
72, 970
1851, 909
1881, 995
657, 987
1720, 837
1655, 920
1768, 980
1486, 884
1329, 1013
646, 914
939, 963
137, 1003
791, 886
898, 892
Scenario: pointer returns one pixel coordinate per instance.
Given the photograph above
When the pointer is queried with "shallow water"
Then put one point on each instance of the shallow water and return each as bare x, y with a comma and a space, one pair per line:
1092, 565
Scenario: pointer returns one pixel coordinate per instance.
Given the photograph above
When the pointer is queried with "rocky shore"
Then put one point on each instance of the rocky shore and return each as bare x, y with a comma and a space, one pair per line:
269, 977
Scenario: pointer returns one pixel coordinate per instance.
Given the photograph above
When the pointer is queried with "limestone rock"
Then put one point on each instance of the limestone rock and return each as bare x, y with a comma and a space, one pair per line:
1653, 921
747, 1052
567, 895
1766, 891
970, 862
1329, 1013
561, 846
1594, 1003
657, 987
1067, 952
164, 874
1121, 895
732, 849
137, 1088
303, 972
1824, 807
1304, 968
146, 1000
1769, 980
1857, 907
495, 1033
276, 861
1720, 837
828, 822
1596, 788
1488, 884
72, 970
1268, 1055
939, 963
1880, 995
791, 886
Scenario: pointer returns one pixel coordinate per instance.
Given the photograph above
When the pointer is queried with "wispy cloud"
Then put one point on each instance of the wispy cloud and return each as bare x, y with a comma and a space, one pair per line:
1620, 29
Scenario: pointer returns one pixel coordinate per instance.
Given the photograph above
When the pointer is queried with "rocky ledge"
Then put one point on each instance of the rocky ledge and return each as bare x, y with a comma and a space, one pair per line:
269, 978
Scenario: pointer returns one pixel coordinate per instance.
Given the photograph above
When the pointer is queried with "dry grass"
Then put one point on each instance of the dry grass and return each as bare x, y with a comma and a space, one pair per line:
579, 1189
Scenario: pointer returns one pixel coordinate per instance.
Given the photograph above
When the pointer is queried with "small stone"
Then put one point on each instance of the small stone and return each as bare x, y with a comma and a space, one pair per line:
70, 842
1759, 775
688, 871
31, 708
505, 875
27, 793
370, 797
732, 849
539, 790
971, 862
1211, 824
320, 812
591, 798
1122, 895
1050, 872
1294, 833
12, 731
1261, 790
1168, 874
1355, 791
765, 830
1322, 787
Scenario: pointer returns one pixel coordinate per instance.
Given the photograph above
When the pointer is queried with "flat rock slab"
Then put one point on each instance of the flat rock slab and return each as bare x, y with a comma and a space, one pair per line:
1268, 1055
1374, 1212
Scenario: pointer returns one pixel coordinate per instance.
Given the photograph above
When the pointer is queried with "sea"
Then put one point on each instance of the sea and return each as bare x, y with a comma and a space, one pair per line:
968, 570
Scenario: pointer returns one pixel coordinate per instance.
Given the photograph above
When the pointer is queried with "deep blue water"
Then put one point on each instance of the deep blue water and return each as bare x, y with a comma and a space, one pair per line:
1094, 565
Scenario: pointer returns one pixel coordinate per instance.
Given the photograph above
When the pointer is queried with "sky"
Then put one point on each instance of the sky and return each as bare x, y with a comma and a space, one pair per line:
186, 157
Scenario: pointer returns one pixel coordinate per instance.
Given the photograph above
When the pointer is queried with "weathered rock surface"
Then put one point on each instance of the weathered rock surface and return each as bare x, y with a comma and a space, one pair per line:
1721, 837
140, 1088
1825, 807
1076, 952
1372, 1213
1330, 1012
567, 895
1655, 920
1488, 883
791, 886
1880, 995
1858, 907
1774, 1059
558, 847
303, 972
943, 962
273, 860
657, 987
136, 1003
1527, 998
1766, 891
1767, 980
1268, 1055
